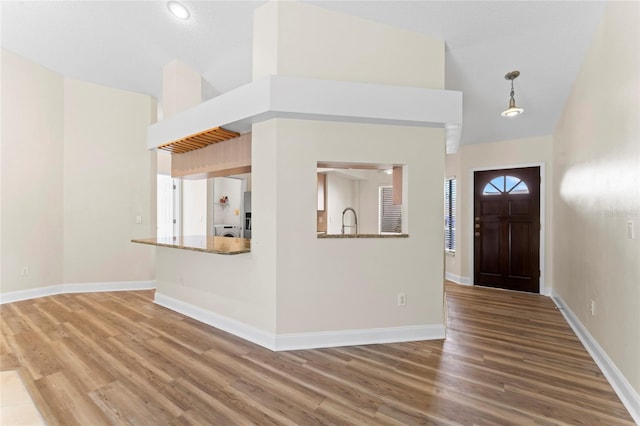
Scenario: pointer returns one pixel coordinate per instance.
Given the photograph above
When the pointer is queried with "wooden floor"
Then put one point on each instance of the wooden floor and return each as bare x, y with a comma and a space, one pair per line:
116, 358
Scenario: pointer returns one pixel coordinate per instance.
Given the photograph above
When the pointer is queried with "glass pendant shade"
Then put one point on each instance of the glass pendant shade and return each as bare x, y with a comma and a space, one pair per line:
513, 110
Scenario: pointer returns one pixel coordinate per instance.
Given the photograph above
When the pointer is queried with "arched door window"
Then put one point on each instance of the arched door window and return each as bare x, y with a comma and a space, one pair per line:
505, 185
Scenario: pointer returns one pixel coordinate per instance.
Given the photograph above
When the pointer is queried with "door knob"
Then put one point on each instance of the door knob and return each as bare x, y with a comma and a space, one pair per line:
477, 234
477, 225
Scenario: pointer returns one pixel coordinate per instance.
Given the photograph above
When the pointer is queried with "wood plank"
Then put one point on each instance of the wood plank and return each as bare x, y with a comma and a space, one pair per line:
117, 358
199, 140
123, 405
34, 353
66, 403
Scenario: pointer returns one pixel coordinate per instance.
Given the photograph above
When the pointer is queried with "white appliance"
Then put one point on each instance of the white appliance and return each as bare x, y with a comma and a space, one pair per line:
247, 214
227, 231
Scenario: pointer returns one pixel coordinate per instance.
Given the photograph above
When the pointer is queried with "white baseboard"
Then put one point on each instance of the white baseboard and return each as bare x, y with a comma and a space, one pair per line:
627, 394
294, 341
457, 278
330, 339
15, 296
247, 332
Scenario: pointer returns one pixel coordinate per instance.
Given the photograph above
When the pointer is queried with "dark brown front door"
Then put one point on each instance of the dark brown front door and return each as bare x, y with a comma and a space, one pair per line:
507, 229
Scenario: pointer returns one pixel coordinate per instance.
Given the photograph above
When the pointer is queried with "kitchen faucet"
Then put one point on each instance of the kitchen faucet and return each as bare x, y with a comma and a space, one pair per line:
355, 216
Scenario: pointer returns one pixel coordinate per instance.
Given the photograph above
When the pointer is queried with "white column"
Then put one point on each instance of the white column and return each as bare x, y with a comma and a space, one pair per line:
181, 88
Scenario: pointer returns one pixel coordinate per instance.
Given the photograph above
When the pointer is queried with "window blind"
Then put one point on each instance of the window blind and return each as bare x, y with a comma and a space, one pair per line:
390, 214
450, 215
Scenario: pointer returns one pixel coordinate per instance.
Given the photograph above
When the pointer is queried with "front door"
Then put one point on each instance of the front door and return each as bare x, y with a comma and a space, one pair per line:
507, 229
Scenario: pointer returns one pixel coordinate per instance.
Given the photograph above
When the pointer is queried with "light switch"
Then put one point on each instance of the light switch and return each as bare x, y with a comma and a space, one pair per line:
630, 230
138, 219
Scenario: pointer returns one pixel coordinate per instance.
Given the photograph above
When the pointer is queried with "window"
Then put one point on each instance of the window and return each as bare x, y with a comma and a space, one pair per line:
390, 215
450, 215
505, 184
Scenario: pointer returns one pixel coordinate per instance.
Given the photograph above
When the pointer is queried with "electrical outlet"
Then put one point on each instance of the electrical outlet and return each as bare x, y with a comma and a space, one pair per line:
138, 219
402, 299
24, 271
593, 307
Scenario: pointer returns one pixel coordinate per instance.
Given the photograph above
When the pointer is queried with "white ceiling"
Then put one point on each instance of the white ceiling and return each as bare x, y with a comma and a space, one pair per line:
125, 44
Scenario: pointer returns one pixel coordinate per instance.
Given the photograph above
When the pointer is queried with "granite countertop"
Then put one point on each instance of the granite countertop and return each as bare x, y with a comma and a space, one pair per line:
205, 244
362, 235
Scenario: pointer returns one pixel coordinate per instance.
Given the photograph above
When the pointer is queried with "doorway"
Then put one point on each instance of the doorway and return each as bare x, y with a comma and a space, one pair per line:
168, 198
507, 229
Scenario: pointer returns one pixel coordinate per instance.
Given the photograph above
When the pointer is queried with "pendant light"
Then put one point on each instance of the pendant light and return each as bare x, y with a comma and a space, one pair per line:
513, 110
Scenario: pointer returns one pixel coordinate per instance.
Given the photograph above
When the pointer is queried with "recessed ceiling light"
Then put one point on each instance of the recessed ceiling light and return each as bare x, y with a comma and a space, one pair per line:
178, 10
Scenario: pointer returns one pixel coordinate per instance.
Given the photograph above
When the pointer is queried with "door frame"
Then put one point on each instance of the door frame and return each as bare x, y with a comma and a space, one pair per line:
543, 227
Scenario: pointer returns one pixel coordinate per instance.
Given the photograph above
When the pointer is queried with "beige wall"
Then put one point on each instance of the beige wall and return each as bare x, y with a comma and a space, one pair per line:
296, 39
181, 88
32, 190
108, 176
357, 280
597, 191
291, 279
497, 155
236, 288
75, 174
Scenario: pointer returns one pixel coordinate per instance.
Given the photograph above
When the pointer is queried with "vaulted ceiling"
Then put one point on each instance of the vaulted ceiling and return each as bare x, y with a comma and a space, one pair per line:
125, 44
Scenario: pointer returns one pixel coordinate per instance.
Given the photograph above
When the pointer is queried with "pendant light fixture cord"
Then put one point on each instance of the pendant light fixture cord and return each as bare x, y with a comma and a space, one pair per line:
512, 110
512, 101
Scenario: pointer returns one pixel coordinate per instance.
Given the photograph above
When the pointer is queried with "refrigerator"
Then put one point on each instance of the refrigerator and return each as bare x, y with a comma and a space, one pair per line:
247, 214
